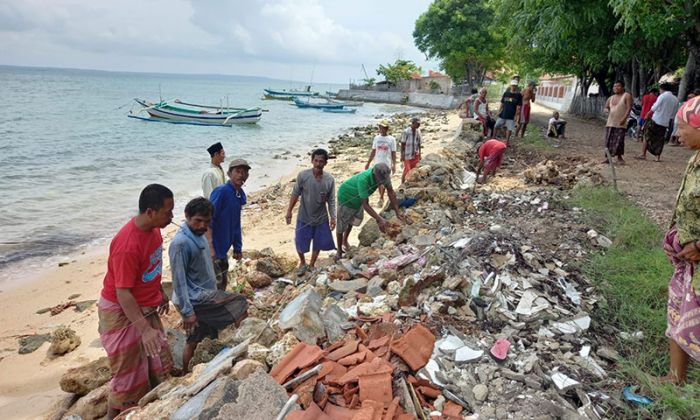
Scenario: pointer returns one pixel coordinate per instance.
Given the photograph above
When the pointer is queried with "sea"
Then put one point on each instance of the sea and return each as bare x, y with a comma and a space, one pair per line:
72, 164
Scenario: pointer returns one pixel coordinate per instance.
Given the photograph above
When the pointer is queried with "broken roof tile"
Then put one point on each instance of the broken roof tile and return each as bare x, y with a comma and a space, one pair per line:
393, 408
415, 347
377, 408
429, 391
452, 410
301, 356
375, 366
376, 386
381, 351
378, 342
339, 413
347, 349
311, 413
353, 359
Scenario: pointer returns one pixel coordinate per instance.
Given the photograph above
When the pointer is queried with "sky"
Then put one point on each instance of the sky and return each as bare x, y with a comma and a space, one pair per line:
304, 40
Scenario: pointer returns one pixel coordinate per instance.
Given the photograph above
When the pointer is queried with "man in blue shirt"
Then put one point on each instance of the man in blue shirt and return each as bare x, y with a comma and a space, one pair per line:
204, 309
228, 199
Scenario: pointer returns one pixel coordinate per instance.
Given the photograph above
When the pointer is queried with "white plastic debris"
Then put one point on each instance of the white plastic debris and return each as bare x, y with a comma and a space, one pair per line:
563, 382
526, 301
573, 326
467, 354
569, 290
585, 351
468, 180
461, 243
449, 344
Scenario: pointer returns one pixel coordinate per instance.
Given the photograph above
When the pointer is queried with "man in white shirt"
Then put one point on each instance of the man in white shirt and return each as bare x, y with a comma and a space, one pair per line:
383, 151
410, 147
214, 175
664, 110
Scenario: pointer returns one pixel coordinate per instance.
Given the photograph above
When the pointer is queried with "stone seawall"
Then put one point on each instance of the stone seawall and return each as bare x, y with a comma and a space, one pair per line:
426, 100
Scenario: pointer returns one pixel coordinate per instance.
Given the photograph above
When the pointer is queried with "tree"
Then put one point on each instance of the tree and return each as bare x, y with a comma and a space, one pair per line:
400, 70
458, 33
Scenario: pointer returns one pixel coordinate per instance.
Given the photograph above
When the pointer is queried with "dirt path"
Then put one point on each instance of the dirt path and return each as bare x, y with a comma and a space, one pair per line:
651, 185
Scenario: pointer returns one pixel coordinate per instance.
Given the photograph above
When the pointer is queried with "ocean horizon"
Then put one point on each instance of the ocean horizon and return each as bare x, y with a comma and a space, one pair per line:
73, 163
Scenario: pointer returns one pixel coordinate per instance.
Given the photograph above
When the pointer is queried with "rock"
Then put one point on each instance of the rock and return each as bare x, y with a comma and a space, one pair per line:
258, 279
302, 316
374, 287
91, 406
281, 348
270, 266
83, 379
345, 286
30, 343
206, 350
83, 305
393, 287
481, 392
248, 403
370, 232
63, 340
608, 354
333, 317
251, 327
177, 340
208, 402
603, 241
258, 352
241, 370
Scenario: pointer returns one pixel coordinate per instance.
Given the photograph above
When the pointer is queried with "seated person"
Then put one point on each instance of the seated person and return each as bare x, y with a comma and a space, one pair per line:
556, 128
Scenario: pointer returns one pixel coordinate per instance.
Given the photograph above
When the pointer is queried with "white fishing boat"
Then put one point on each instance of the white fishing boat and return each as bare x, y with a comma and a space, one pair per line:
187, 113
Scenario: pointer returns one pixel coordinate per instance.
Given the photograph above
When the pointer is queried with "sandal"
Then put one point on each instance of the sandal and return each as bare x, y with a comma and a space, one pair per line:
301, 270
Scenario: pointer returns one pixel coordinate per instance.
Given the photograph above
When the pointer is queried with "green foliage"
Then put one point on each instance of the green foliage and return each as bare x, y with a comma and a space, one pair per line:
370, 81
400, 70
433, 85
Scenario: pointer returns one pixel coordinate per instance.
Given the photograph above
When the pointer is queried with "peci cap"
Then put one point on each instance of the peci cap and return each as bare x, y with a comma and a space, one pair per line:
214, 148
415, 120
238, 162
383, 123
383, 173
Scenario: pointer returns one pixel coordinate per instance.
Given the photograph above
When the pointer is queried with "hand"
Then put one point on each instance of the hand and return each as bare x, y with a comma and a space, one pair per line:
288, 218
189, 322
164, 306
669, 250
237, 255
624, 122
689, 252
382, 224
332, 224
151, 339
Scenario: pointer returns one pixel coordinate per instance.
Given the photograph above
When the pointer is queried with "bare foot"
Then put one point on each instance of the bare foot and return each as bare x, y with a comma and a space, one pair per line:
604, 161
640, 157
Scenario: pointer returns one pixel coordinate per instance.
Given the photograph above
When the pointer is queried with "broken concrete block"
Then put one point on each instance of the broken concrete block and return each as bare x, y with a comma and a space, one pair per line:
242, 369
374, 287
83, 379
292, 314
248, 403
345, 286
333, 318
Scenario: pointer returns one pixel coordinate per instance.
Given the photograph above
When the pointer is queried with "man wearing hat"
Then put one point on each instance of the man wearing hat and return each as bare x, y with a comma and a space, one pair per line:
383, 151
511, 101
528, 96
225, 232
214, 175
410, 147
353, 201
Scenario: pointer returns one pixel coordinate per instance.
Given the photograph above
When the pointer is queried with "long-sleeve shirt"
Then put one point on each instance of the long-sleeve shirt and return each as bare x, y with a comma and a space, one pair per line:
226, 223
194, 280
664, 108
212, 178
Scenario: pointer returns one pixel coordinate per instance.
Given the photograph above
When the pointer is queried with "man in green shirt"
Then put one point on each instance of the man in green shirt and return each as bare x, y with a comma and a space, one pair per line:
353, 201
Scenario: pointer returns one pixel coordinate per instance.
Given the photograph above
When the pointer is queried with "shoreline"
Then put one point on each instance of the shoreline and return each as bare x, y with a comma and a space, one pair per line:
29, 384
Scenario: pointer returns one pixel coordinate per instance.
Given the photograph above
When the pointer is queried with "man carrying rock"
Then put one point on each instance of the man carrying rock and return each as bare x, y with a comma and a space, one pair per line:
132, 300
317, 191
214, 176
204, 309
225, 232
353, 201
410, 147
490, 158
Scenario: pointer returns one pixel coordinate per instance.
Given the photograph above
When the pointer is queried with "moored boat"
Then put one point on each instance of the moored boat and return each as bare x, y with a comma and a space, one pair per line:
292, 93
340, 110
199, 114
301, 103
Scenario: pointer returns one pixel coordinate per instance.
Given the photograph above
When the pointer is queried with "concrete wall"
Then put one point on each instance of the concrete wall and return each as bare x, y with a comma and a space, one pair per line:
427, 100
556, 94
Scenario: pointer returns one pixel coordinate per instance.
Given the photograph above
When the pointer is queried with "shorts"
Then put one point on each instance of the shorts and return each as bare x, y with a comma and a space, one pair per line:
510, 124
525, 114
213, 317
348, 217
320, 235
410, 164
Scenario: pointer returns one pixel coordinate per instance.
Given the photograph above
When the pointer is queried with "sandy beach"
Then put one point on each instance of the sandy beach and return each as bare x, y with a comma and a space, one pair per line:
29, 384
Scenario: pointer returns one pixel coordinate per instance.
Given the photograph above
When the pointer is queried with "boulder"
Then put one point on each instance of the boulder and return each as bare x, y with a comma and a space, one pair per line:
248, 403
252, 327
369, 233
345, 286
270, 266
83, 379
30, 343
258, 279
91, 406
63, 340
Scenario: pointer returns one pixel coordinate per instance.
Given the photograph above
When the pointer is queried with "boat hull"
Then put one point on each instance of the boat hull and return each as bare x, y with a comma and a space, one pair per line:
208, 117
292, 93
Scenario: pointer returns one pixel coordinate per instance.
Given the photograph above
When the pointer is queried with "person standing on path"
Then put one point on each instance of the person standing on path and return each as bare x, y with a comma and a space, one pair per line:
204, 310
131, 301
483, 114
682, 245
383, 151
663, 109
225, 232
316, 217
618, 107
529, 94
410, 147
511, 101
645, 114
214, 175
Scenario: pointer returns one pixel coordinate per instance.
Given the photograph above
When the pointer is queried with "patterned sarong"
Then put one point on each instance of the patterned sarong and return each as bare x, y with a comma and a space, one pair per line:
133, 373
491, 163
683, 303
615, 140
654, 135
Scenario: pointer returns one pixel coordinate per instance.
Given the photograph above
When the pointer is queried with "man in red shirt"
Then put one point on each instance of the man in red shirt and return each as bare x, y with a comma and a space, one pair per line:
645, 115
490, 157
132, 299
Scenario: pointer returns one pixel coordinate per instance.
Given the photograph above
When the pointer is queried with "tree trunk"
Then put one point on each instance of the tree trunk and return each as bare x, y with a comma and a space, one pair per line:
601, 78
635, 79
642, 79
688, 76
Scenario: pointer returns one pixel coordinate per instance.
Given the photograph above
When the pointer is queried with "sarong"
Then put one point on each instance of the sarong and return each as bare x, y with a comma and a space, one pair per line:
215, 316
654, 135
525, 113
683, 303
133, 373
491, 163
410, 164
615, 140
320, 235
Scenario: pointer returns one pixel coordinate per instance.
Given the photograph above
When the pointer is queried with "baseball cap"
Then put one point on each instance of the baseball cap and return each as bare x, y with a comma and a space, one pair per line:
514, 82
383, 173
238, 162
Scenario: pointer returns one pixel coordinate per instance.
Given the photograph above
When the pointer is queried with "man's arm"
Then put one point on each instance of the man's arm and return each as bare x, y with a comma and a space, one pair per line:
150, 337
395, 204
380, 220
371, 156
177, 266
292, 202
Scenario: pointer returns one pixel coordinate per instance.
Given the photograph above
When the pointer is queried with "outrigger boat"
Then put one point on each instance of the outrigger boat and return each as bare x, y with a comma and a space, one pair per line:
340, 110
300, 103
184, 113
288, 94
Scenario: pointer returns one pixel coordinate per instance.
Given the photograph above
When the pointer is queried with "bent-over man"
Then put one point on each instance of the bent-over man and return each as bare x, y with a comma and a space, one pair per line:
132, 299
204, 309
490, 158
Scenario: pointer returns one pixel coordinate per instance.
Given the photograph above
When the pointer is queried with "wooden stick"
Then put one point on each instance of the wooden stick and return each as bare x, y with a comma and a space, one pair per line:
612, 168
416, 402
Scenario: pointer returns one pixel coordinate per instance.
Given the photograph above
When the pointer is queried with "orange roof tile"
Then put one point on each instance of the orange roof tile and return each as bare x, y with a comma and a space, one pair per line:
415, 347
301, 356
353, 359
452, 410
375, 366
376, 386
311, 413
428, 391
339, 413
378, 342
393, 408
347, 349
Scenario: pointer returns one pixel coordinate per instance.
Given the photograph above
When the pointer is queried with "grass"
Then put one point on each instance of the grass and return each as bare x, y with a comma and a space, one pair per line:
633, 277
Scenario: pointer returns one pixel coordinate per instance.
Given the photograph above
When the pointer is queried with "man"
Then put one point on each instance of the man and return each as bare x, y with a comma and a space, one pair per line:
645, 114
510, 107
228, 200
383, 151
353, 201
317, 191
204, 309
482, 112
132, 300
556, 128
528, 96
618, 107
468, 104
674, 134
490, 158
410, 147
663, 110
214, 176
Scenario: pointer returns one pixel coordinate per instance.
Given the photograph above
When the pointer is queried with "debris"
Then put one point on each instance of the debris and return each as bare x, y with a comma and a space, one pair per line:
499, 351
82, 380
480, 391
415, 347
563, 382
466, 354
29, 343
243, 369
640, 400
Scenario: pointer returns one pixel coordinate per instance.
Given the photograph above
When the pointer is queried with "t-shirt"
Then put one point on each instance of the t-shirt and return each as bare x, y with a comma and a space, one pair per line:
647, 101
664, 108
226, 223
315, 195
384, 145
412, 140
491, 148
357, 188
135, 262
510, 101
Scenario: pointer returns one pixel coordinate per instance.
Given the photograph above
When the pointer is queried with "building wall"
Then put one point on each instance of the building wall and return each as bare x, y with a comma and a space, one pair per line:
427, 100
556, 93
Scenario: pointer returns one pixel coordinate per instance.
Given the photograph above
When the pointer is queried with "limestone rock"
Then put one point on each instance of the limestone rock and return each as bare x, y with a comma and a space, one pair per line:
83, 379
258, 352
369, 233
30, 343
206, 350
374, 287
63, 340
251, 327
480, 391
270, 266
249, 405
258, 279
281, 348
91, 406
241, 370
345, 286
